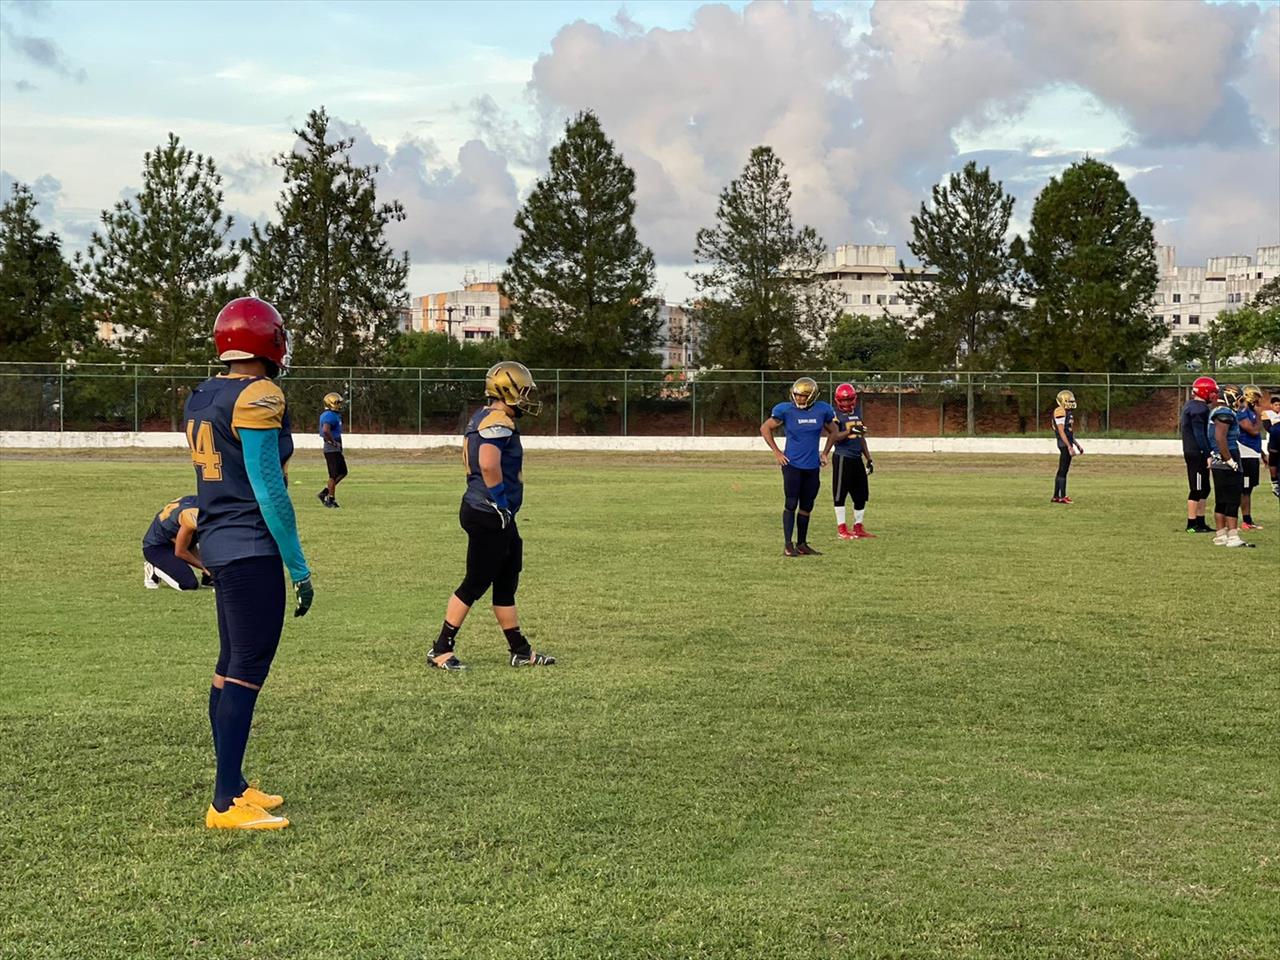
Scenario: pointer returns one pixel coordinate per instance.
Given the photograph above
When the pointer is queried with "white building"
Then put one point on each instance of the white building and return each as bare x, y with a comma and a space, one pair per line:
1188, 298
476, 312
868, 279
679, 337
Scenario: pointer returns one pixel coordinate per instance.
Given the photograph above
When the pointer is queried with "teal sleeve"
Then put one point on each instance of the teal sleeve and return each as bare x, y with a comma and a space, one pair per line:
262, 462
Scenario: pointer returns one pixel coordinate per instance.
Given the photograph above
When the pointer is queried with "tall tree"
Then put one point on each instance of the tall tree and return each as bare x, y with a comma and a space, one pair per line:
1089, 265
760, 303
579, 279
41, 315
866, 343
160, 268
963, 315
326, 264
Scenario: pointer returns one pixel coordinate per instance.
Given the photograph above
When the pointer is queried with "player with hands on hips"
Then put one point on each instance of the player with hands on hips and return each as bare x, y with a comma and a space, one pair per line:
806, 419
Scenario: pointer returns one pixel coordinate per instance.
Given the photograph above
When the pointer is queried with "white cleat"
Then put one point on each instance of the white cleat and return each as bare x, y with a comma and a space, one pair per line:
149, 577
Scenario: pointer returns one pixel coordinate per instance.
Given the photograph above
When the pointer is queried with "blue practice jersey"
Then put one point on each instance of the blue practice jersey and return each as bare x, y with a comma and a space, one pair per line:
1251, 441
333, 420
176, 513
1192, 424
491, 425
1222, 414
804, 431
853, 446
231, 523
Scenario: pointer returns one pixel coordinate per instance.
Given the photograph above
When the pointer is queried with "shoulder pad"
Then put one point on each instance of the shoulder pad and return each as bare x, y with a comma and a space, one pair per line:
260, 406
495, 425
187, 518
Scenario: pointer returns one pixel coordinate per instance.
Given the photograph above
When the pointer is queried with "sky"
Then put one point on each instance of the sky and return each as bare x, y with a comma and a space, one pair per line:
868, 105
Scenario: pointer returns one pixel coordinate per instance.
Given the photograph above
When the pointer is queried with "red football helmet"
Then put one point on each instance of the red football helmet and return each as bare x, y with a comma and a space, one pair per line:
1205, 388
251, 329
846, 398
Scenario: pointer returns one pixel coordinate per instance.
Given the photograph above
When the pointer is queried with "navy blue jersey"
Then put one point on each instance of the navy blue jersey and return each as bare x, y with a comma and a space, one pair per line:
333, 420
491, 425
1252, 441
1062, 417
230, 521
1222, 414
176, 513
1274, 432
804, 431
1192, 423
853, 446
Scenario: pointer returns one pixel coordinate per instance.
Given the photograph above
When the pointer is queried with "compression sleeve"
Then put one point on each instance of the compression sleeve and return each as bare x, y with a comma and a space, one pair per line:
262, 463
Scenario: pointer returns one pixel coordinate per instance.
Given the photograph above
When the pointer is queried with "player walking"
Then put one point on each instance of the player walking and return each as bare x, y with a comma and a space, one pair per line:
848, 474
495, 490
1064, 415
169, 548
1224, 463
238, 431
806, 419
1250, 453
1194, 426
331, 434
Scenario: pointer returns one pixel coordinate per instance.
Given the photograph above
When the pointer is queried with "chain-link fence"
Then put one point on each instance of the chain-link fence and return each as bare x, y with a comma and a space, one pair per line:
139, 397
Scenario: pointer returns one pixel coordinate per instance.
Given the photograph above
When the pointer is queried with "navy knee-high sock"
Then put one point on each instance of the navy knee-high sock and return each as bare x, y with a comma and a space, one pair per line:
802, 528
788, 524
232, 722
215, 694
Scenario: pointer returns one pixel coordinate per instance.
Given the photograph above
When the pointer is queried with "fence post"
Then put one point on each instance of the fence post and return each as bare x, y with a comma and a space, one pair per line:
351, 406
1037, 401
625, 381
135, 398
557, 401
762, 396
900, 389
1108, 404
693, 415
419, 401
62, 405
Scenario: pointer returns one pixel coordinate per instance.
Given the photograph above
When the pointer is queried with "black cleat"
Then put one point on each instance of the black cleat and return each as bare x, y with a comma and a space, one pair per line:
323, 497
804, 550
532, 658
789, 550
332, 504
445, 661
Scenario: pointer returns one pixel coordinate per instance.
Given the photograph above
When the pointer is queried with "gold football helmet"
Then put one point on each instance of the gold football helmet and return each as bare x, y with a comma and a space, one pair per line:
1252, 395
512, 383
1231, 395
804, 392
1066, 400
334, 401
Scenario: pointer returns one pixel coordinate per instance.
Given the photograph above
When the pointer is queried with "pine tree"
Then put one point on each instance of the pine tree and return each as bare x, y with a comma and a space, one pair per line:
1089, 265
326, 264
41, 311
579, 279
160, 268
962, 315
759, 303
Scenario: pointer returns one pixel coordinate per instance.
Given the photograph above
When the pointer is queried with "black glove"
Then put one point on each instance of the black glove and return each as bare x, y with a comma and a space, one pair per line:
305, 593
871, 468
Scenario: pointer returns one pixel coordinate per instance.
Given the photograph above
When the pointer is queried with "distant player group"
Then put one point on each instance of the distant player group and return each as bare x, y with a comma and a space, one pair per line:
238, 530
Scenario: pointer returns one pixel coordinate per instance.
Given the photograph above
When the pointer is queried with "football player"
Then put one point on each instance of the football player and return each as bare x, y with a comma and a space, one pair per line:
1250, 453
1273, 442
493, 457
238, 429
1224, 463
806, 419
848, 473
1193, 423
169, 548
331, 433
1063, 421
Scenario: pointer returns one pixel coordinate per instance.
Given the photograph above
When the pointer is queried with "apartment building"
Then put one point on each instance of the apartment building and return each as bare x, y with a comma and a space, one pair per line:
1188, 298
476, 312
868, 279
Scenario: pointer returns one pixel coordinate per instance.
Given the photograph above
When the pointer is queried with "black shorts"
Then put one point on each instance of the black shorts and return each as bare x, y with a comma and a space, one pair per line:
337, 464
849, 479
172, 569
495, 557
801, 485
250, 617
1197, 476
1250, 468
1226, 492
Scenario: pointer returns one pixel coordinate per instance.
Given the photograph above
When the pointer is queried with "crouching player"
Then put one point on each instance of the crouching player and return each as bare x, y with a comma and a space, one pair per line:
495, 490
238, 431
334, 459
848, 474
1250, 453
169, 548
1224, 463
1063, 423
806, 419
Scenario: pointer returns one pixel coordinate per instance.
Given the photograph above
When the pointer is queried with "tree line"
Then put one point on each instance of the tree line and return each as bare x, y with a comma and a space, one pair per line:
1074, 294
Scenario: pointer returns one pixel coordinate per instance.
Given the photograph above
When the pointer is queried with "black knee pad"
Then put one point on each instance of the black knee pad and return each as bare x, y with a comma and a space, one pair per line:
504, 595
470, 591
251, 667
790, 504
807, 505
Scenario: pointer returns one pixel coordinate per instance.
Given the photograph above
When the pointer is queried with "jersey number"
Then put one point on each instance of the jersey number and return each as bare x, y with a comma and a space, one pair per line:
203, 453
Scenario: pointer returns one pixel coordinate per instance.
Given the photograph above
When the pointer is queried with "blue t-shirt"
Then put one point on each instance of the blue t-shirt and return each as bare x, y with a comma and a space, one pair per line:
334, 421
1222, 414
804, 431
1254, 443
490, 425
851, 447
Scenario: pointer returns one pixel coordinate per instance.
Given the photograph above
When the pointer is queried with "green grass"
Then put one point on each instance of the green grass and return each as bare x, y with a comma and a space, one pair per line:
1003, 729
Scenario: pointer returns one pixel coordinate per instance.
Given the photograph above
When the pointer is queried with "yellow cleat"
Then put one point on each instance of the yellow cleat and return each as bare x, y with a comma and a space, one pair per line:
267, 801
243, 816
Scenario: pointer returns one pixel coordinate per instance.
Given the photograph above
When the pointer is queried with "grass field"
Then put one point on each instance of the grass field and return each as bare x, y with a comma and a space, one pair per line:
1003, 729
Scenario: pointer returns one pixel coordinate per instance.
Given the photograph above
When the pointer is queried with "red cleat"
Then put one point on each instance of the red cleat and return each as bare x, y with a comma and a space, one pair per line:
860, 533
843, 532
1066, 500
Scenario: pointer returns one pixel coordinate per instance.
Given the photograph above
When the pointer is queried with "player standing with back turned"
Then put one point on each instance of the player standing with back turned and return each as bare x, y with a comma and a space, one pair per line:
1193, 425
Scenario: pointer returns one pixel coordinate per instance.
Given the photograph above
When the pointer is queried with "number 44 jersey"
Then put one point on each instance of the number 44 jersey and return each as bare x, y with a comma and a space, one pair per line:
230, 522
